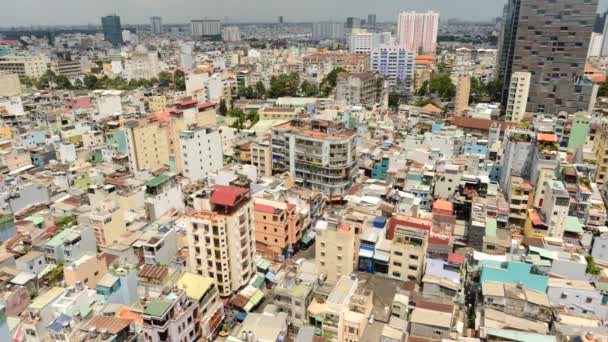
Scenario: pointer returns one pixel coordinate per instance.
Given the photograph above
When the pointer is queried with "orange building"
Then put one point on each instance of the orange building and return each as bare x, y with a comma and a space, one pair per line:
277, 226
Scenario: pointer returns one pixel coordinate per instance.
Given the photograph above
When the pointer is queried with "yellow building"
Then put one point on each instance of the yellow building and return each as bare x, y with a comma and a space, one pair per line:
148, 144
108, 222
600, 150
156, 103
334, 252
261, 156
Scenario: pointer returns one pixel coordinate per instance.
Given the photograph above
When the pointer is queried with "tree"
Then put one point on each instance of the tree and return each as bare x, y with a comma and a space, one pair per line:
179, 80
27, 81
260, 90
90, 81
165, 76
393, 100
328, 83
424, 89
442, 86
284, 85
78, 84
603, 91
494, 89
309, 89
591, 266
223, 109
62, 82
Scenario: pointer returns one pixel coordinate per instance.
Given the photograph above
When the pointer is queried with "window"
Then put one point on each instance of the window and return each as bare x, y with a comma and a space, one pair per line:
589, 300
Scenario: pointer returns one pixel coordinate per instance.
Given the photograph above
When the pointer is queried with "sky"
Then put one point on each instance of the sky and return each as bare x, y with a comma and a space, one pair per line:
68, 12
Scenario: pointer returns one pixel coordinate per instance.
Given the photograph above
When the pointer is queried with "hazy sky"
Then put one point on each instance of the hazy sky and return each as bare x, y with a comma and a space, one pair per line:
53, 12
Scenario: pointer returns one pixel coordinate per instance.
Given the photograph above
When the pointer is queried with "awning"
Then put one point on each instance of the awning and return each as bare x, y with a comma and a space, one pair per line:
240, 316
257, 297
264, 265
366, 253
381, 256
309, 237
257, 282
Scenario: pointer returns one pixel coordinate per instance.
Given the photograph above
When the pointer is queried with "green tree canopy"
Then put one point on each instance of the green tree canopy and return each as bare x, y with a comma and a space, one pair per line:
328, 83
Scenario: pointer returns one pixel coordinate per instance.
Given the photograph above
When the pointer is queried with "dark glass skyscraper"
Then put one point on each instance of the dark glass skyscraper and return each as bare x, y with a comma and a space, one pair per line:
112, 31
549, 39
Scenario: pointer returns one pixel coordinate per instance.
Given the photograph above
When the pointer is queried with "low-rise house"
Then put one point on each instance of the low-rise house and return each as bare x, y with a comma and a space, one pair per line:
577, 298
516, 300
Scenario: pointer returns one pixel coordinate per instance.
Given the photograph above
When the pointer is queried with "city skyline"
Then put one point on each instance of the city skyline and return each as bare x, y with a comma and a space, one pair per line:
37, 12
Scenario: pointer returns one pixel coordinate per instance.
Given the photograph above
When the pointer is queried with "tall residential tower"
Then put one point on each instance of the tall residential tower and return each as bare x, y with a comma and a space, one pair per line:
548, 39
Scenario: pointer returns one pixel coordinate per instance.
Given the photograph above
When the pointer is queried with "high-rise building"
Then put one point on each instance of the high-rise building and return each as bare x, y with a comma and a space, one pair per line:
518, 96
549, 40
463, 91
396, 64
205, 28
352, 22
221, 237
364, 88
328, 30
371, 20
604, 51
418, 31
280, 19
156, 24
201, 151
595, 45
148, 145
320, 155
231, 34
363, 41
112, 31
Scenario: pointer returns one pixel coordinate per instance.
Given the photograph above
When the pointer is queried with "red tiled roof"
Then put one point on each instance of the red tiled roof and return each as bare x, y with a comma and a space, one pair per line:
226, 195
550, 137
432, 108
443, 205
264, 208
480, 124
456, 258
206, 105
186, 104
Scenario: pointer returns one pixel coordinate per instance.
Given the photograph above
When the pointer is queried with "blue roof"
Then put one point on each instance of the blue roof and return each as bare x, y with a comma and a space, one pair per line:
513, 273
241, 316
57, 325
379, 221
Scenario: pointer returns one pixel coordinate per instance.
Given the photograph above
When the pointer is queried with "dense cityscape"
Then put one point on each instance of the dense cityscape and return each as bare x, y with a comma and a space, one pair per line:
422, 178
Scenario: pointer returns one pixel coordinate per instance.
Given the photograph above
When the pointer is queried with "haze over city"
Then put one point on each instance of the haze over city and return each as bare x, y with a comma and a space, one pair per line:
68, 12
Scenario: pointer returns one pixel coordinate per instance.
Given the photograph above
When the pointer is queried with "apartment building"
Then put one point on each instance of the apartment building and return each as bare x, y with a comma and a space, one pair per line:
600, 150
31, 66
202, 290
418, 31
171, 317
278, 227
319, 154
261, 156
148, 145
162, 194
202, 154
396, 64
518, 96
410, 237
221, 237
359, 89
161, 247
108, 222
335, 251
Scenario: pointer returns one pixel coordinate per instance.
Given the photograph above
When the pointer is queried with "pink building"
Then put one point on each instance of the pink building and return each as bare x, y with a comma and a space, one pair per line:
82, 102
15, 159
418, 31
